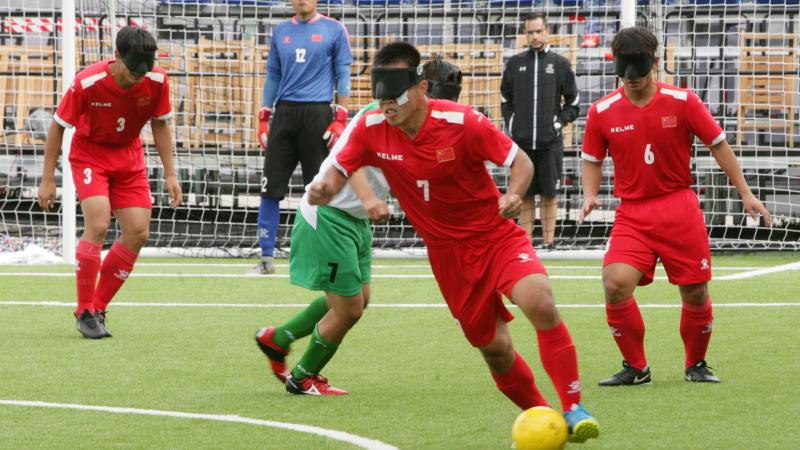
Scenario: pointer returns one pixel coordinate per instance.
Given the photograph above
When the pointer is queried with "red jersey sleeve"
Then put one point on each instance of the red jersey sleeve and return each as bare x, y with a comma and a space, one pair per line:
356, 152
163, 109
701, 122
595, 144
71, 106
486, 141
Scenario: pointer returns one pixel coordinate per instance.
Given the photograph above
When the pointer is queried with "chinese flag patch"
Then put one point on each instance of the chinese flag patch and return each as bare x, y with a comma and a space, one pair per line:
445, 154
316, 38
669, 122
144, 101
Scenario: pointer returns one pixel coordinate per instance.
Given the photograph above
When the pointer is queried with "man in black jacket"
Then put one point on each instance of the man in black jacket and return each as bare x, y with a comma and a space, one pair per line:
533, 85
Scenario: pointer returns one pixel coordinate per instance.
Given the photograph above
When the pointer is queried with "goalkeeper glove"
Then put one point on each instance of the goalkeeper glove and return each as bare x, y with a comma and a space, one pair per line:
263, 126
336, 128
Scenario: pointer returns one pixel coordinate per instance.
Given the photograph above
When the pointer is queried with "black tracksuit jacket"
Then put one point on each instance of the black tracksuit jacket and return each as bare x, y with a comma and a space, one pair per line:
532, 86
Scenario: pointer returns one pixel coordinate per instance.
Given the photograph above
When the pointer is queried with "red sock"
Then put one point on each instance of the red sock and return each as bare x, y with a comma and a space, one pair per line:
696, 324
627, 327
561, 363
517, 384
87, 264
116, 267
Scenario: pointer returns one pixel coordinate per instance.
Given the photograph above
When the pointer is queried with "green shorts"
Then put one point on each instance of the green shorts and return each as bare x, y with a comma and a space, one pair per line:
335, 257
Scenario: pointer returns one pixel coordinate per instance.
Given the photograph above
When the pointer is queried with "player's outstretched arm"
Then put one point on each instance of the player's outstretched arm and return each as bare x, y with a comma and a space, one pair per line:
321, 192
730, 165
591, 174
520, 178
52, 149
376, 208
163, 140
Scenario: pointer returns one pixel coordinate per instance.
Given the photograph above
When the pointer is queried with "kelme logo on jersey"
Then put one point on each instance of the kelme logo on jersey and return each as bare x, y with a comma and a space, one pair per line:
389, 156
622, 129
445, 154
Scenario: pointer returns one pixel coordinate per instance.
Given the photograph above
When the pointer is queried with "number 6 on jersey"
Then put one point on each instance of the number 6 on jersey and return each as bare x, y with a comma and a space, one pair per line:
649, 156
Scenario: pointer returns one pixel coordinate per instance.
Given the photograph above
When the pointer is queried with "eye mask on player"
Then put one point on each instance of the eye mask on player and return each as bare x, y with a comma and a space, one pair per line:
139, 62
633, 66
393, 83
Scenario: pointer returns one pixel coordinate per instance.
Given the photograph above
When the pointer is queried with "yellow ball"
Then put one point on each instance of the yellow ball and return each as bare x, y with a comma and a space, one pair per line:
540, 428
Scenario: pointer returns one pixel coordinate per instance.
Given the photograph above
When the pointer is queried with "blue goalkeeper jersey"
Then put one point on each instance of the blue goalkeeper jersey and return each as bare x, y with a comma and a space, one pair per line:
304, 55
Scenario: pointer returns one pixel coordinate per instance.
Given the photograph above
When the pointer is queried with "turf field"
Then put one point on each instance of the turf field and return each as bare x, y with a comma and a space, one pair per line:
182, 370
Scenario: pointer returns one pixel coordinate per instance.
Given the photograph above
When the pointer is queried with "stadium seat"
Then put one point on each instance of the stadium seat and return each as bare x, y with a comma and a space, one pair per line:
778, 2
716, 2
380, 2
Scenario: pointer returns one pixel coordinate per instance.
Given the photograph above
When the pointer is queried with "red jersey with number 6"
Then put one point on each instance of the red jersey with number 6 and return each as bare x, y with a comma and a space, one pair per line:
105, 114
439, 177
651, 146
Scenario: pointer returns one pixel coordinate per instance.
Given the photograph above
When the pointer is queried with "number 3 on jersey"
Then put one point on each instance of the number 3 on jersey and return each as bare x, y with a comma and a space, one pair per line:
649, 156
120, 124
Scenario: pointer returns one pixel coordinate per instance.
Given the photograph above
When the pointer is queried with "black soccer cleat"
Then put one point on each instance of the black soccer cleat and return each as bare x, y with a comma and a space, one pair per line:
700, 373
101, 319
628, 376
88, 325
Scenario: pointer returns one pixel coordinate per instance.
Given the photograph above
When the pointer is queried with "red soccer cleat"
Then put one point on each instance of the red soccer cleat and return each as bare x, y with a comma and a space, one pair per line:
276, 354
315, 385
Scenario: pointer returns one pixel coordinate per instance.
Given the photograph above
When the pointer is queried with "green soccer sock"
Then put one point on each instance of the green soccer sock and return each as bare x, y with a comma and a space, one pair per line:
302, 324
318, 353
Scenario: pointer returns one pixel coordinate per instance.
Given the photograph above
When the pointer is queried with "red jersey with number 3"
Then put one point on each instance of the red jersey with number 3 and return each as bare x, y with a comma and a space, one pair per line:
104, 113
439, 177
651, 146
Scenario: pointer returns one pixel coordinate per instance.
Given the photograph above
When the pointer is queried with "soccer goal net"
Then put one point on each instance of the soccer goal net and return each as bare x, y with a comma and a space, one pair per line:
741, 58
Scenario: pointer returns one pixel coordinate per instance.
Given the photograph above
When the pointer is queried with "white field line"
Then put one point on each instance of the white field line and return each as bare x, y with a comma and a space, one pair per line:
762, 271
330, 434
374, 266
792, 304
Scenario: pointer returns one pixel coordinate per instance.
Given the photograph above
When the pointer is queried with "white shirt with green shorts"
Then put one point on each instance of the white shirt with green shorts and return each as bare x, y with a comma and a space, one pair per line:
331, 246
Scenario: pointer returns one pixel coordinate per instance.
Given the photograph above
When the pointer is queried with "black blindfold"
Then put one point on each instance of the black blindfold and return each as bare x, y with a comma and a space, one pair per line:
633, 66
139, 62
392, 83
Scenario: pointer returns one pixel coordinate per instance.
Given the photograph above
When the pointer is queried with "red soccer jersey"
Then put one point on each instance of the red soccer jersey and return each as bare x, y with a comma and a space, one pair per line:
439, 177
106, 114
651, 147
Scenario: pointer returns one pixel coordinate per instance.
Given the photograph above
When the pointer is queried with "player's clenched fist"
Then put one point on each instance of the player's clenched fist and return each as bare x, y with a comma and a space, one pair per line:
175, 191
320, 193
47, 193
509, 205
377, 210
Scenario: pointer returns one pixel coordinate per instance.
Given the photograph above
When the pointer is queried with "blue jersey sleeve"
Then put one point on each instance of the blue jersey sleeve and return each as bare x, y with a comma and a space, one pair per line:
273, 62
343, 80
343, 53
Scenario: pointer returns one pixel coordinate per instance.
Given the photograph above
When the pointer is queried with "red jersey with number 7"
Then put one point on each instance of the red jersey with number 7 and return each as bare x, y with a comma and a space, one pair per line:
439, 177
651, 146
104, 113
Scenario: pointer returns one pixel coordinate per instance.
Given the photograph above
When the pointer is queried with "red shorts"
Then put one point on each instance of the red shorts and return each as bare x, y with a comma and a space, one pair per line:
118, 173
473, 273
669, 227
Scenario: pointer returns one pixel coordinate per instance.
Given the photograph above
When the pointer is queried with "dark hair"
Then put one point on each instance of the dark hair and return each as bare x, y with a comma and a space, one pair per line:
441, 71
395, 52
135, 39
534, 16
634, 40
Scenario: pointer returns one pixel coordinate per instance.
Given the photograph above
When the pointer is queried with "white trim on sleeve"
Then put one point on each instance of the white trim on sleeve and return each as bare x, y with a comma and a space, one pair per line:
718, 139
511, 155
589, 157
341, 169
62, 122
164, 117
